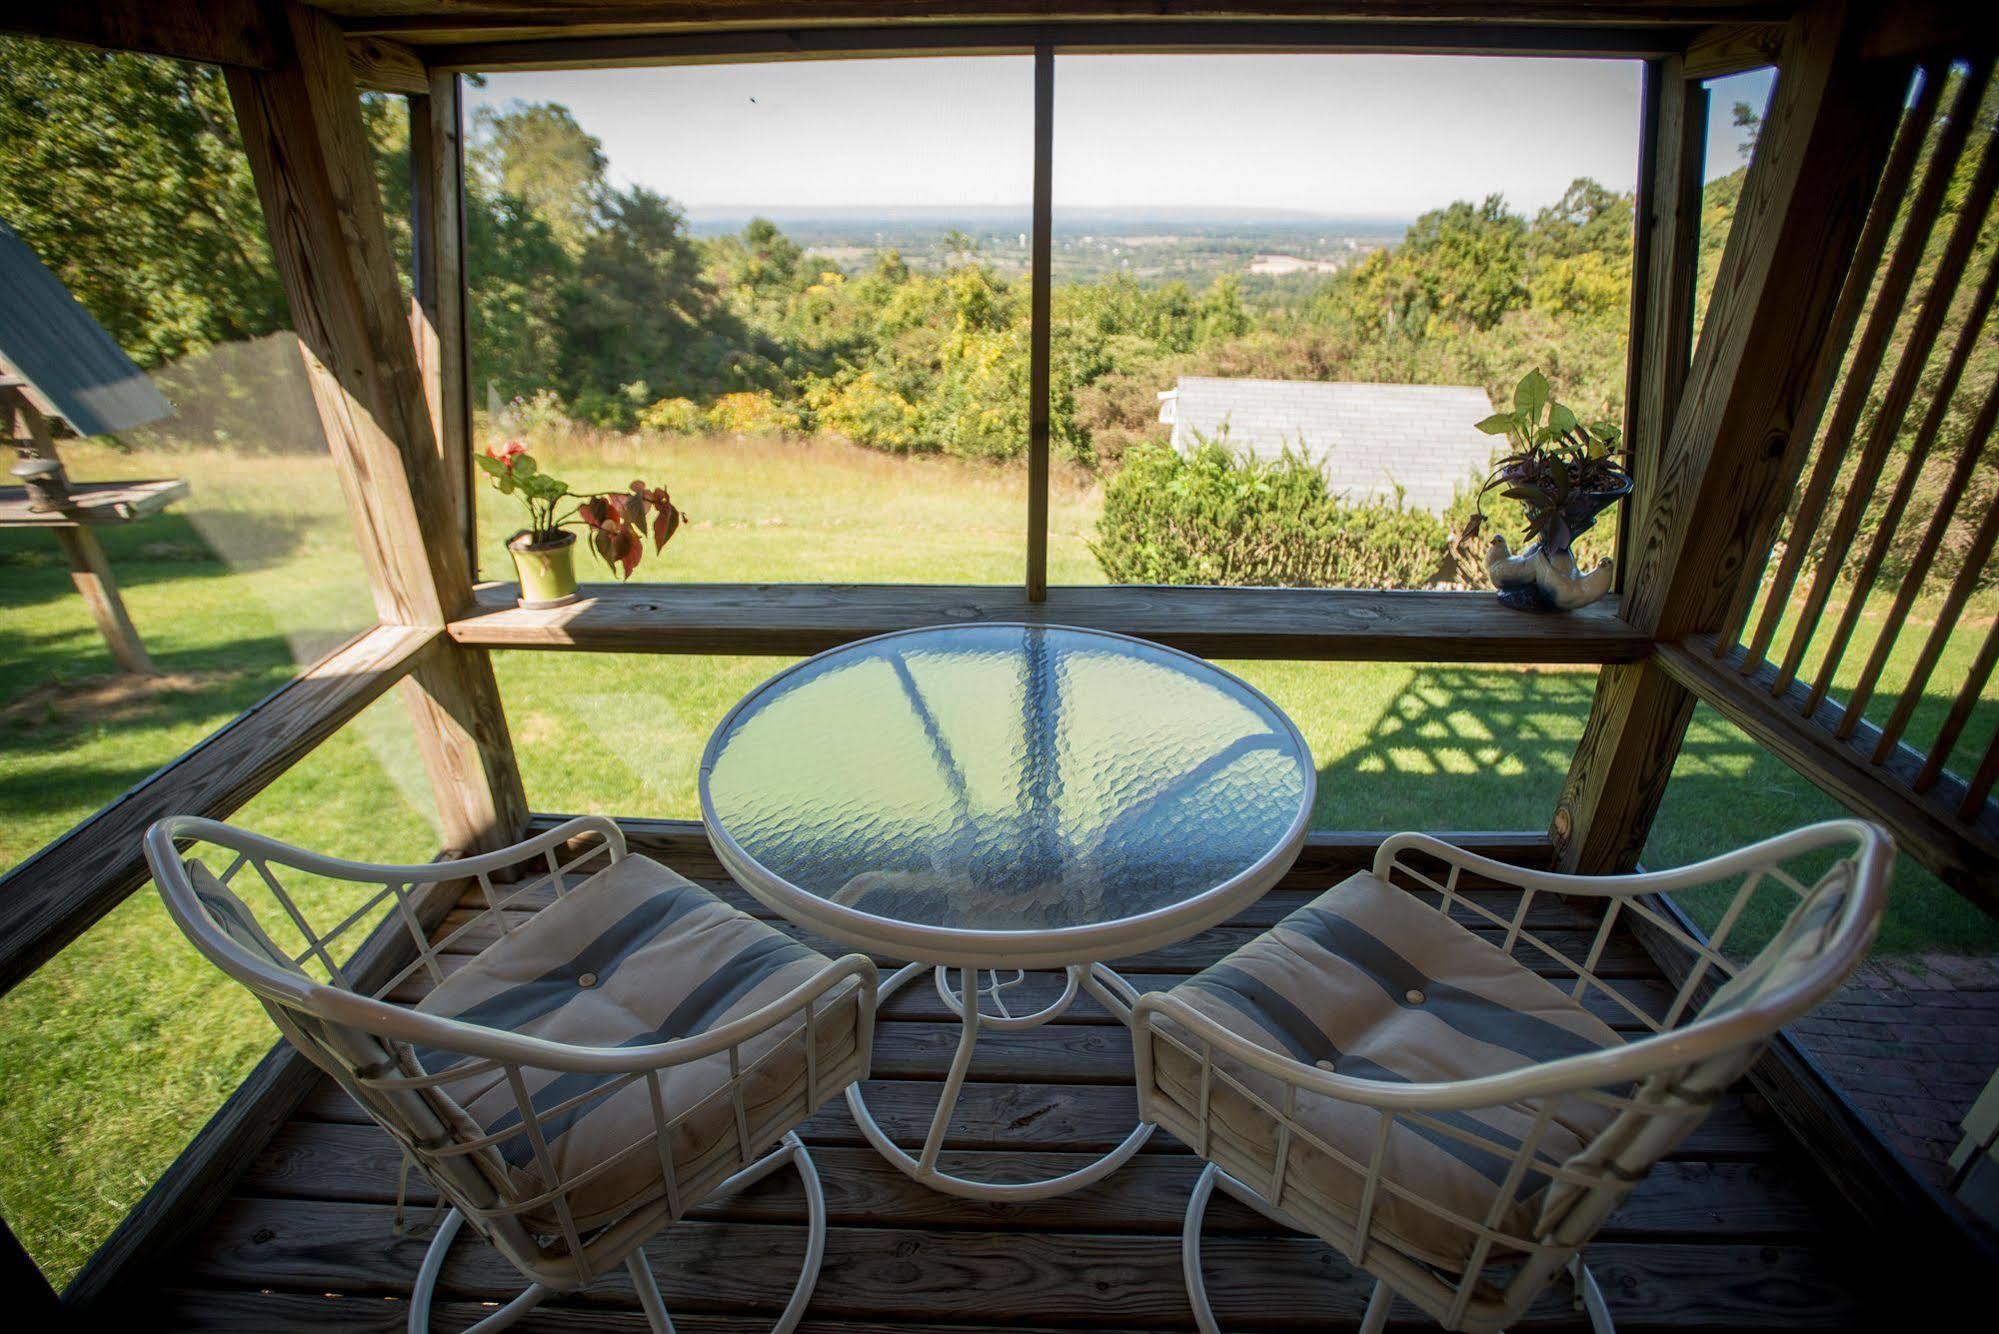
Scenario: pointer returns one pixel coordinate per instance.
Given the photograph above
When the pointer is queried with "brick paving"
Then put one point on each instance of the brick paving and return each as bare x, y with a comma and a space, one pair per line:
1912, 1041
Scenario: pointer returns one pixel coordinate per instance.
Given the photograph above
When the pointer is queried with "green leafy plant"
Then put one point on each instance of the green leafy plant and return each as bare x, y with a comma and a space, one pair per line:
618, 521
1557, 467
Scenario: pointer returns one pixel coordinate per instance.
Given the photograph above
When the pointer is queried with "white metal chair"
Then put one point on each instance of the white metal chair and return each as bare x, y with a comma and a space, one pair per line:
591, 1074
1451, 1111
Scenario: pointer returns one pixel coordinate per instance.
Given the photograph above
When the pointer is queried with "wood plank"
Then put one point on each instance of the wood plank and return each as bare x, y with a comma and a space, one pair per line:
382, 65
1733, 1201
1618, 774
187, 1194
1733, 48
437, 169
1927, 826
1017, 1116
94, 503
1099, 1279
215, 32
302, 132
54, 896
1294, 623
1725, 472
461, 731
569, 48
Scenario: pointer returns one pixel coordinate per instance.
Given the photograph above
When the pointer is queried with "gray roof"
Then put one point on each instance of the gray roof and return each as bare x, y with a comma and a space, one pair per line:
1367, 438
72, 367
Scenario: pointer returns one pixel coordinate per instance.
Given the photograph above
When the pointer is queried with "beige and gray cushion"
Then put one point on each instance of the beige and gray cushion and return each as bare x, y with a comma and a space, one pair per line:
1367, 981
634, 956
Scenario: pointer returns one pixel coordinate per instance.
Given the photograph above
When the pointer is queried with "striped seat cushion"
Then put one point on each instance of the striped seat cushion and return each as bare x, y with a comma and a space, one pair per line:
1367, 981
638, 955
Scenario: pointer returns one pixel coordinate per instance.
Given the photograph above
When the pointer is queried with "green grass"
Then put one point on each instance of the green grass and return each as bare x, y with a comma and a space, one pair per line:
115, 1052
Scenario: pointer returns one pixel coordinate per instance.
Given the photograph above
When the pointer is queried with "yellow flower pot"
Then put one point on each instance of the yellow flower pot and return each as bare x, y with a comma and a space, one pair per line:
547, 569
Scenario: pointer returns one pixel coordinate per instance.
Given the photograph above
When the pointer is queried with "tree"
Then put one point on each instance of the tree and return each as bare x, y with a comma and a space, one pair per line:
537, 153
124, 173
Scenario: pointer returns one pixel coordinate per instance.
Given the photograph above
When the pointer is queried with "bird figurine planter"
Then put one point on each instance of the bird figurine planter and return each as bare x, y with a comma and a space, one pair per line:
1563, 474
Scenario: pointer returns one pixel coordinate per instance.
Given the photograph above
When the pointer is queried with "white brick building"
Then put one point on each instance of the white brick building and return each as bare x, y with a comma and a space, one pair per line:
1367, 438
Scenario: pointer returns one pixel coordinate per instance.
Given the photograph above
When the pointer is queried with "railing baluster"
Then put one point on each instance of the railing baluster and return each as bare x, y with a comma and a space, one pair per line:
1915, 355
1866, 358
1960, 711
1919, 567
1981, 781
1968, 339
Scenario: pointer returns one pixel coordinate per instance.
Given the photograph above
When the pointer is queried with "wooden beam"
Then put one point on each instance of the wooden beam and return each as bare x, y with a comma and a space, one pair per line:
301, 126
437, 168
1733, 48
54, 896
186, 1195
308, 152
1041, 283
1304, 623
384, 66
1617, 776
216, 32
1731, 452
1927, 826
550, 48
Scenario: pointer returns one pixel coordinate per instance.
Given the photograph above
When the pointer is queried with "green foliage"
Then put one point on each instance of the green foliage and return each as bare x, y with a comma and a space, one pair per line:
1212, 517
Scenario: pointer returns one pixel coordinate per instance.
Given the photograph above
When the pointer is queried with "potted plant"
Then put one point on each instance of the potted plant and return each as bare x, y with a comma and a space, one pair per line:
1564, 473
544, 552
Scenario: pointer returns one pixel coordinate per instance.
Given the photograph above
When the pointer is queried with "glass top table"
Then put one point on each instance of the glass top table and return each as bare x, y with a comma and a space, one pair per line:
994, 797
1006, 795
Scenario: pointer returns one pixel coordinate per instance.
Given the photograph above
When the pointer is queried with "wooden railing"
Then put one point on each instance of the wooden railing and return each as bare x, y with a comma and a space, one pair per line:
1895, 513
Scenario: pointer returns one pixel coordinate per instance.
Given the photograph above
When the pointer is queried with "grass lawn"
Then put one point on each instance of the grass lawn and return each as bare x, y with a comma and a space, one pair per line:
116, 1052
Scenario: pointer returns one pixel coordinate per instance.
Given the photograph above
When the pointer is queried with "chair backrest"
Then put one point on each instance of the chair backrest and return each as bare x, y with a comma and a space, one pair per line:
415, 1073
1632, 1104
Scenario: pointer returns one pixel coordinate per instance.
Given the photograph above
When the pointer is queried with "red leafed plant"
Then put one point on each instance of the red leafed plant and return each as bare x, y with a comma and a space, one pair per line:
618, 521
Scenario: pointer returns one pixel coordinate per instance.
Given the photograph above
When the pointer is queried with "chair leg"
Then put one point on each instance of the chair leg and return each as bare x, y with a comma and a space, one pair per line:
426, 1286
1378, 1305
649, 1299
1589, 1297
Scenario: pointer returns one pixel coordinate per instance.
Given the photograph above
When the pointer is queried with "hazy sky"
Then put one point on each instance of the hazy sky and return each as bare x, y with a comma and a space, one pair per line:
1353, 136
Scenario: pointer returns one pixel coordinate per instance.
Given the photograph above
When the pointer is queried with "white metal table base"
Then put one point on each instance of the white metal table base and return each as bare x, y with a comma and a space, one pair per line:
1111, 991
789, 1150
1588, 1297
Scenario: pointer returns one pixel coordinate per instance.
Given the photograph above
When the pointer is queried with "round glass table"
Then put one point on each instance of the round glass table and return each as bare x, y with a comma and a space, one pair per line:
1000, 797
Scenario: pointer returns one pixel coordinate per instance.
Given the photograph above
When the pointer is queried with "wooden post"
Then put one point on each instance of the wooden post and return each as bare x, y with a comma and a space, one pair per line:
437, 171
91, 573
302, 132
1730, 451
1038, 332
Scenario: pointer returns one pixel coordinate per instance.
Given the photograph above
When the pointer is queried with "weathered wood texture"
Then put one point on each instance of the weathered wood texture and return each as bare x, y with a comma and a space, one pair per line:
95, 503
1215, 622
1733, 1231
217, 32
571, 48
1041, 284
90, 571
1733, 48
1927, 825
1618, 774
385, 66
437, 171
52, 897
302, 132
1731, 451
186, 1196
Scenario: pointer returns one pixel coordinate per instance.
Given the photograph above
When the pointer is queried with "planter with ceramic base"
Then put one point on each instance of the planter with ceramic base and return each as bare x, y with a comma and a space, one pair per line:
547, 569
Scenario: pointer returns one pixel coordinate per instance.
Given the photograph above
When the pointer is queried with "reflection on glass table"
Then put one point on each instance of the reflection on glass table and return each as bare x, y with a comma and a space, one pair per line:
995, 798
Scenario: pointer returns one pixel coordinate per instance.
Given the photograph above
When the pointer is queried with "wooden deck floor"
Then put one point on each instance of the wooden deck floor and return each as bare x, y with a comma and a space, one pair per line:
1734, 1231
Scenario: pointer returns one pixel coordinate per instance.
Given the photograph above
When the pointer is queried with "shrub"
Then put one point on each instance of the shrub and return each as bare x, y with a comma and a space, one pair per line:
751, 412
1213, 517
672, 416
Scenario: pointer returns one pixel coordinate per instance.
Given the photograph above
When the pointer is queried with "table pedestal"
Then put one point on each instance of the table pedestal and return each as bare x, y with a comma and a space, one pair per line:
1110, 990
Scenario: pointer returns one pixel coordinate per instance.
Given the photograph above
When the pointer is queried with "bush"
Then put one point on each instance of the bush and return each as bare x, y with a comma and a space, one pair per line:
752, 412
672, 416
1212, 517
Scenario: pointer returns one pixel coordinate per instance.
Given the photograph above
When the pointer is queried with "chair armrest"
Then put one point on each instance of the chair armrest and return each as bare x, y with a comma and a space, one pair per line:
165, 834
